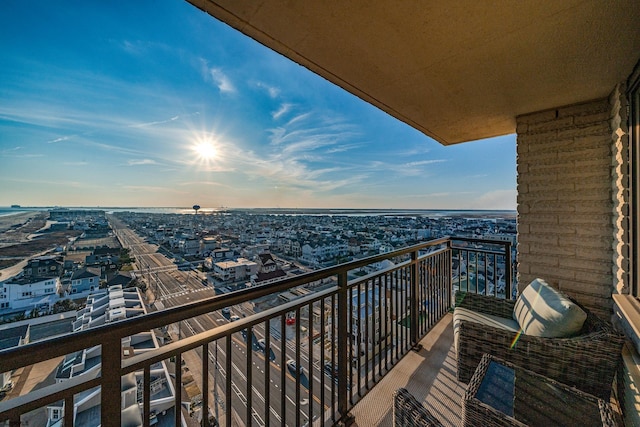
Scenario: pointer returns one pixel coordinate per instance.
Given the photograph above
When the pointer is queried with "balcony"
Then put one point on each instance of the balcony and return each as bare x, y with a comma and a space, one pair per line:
352, 343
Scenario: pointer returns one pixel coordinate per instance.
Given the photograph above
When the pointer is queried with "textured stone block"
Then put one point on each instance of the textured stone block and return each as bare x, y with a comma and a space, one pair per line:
552, 125
595, 106
576, 132
542, 116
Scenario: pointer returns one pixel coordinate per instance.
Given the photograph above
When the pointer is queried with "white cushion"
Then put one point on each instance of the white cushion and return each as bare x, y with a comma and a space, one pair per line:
542, 311
460, 314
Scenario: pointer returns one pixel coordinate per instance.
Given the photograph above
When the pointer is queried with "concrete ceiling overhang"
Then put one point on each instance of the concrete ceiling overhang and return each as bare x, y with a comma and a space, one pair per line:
455, 70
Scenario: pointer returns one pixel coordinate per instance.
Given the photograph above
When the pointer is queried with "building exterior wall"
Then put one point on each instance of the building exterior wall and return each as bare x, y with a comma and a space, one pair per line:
620, 189
565, 201
28, 295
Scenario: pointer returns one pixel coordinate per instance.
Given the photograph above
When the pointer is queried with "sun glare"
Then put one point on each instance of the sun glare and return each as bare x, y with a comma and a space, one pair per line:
205, 150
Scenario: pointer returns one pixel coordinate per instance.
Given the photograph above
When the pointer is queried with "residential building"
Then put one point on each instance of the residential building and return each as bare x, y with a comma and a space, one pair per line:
222, 253
268, 270
12, 337
189, 246
208, 244
233, 271
84, 280
43, 267
25, 293
103, 307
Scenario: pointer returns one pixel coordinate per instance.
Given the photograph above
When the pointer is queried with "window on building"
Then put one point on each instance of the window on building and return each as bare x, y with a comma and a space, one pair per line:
634, 160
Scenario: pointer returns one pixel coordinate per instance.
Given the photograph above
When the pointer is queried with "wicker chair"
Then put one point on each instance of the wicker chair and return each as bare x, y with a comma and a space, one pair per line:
408, 412
587, 361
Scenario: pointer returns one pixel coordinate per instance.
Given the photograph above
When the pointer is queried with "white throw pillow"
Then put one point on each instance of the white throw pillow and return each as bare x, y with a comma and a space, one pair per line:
542, 311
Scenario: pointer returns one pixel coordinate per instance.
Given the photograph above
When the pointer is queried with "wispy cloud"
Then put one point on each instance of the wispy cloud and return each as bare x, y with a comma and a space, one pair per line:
75, 163
272, 91
11, 150
294, 172
342, 148
415, 168
17, 153
440, 194
221, 80
141, 162
298, 118
496, 199
153, 189
413, 151
422, 163
49, 182
131, 47
159, 122
284, 109
207, 183
62, 138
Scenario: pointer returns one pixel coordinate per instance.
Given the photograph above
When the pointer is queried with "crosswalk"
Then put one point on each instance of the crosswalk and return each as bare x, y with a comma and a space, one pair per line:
185, 292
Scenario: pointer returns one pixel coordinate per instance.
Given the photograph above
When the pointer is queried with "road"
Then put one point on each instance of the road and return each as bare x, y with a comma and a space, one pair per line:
172, 287
169, 284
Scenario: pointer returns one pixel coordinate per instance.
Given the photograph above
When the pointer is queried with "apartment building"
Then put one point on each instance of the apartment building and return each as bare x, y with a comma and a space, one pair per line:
104, 307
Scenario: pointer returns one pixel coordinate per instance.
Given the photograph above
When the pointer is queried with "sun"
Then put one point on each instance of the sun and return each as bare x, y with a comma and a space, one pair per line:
205, 150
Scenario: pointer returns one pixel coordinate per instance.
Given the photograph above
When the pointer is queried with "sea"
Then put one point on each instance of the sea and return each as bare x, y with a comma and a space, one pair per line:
435, 213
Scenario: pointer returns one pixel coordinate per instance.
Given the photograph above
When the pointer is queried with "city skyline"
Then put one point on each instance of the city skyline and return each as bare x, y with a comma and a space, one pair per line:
158, 104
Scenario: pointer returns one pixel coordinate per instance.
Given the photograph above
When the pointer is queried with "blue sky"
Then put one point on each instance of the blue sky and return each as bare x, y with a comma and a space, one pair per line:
158, 104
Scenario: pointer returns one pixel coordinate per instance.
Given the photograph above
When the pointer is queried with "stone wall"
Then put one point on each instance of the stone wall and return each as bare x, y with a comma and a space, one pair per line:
620, 189
565, 201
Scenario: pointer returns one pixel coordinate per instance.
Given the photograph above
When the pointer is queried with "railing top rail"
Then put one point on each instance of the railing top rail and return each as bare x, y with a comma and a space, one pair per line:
16, 357
138, 361
506, 243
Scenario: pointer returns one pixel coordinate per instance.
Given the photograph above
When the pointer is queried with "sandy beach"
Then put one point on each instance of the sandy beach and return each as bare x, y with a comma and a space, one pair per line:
15, 246
18, 219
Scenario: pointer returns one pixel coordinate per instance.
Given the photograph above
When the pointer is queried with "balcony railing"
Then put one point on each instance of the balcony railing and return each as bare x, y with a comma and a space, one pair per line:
306, 361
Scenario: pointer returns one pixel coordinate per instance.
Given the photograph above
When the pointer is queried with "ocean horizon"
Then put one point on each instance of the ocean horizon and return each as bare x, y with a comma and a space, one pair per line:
497, 213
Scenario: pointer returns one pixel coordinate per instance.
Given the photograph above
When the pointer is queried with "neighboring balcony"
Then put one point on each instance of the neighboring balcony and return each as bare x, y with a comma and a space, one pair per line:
310, 361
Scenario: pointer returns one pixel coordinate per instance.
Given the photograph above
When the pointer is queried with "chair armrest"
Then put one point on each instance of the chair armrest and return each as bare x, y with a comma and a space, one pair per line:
407, 411
587, 362
485, 304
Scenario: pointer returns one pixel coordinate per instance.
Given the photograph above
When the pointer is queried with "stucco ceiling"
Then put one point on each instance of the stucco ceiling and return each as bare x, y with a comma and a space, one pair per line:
455, 70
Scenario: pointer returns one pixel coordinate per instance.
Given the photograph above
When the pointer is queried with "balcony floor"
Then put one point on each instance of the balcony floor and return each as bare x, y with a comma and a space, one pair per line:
429, 374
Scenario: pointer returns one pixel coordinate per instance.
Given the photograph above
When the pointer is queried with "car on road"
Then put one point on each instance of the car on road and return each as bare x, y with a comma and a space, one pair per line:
234, 318
331, 370
295, 370
226, 312
261, 345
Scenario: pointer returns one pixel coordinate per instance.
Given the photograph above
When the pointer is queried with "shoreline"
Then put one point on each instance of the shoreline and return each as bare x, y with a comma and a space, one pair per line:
14, 220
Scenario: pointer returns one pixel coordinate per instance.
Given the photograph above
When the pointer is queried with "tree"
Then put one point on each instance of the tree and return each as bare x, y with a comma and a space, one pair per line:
64, 305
